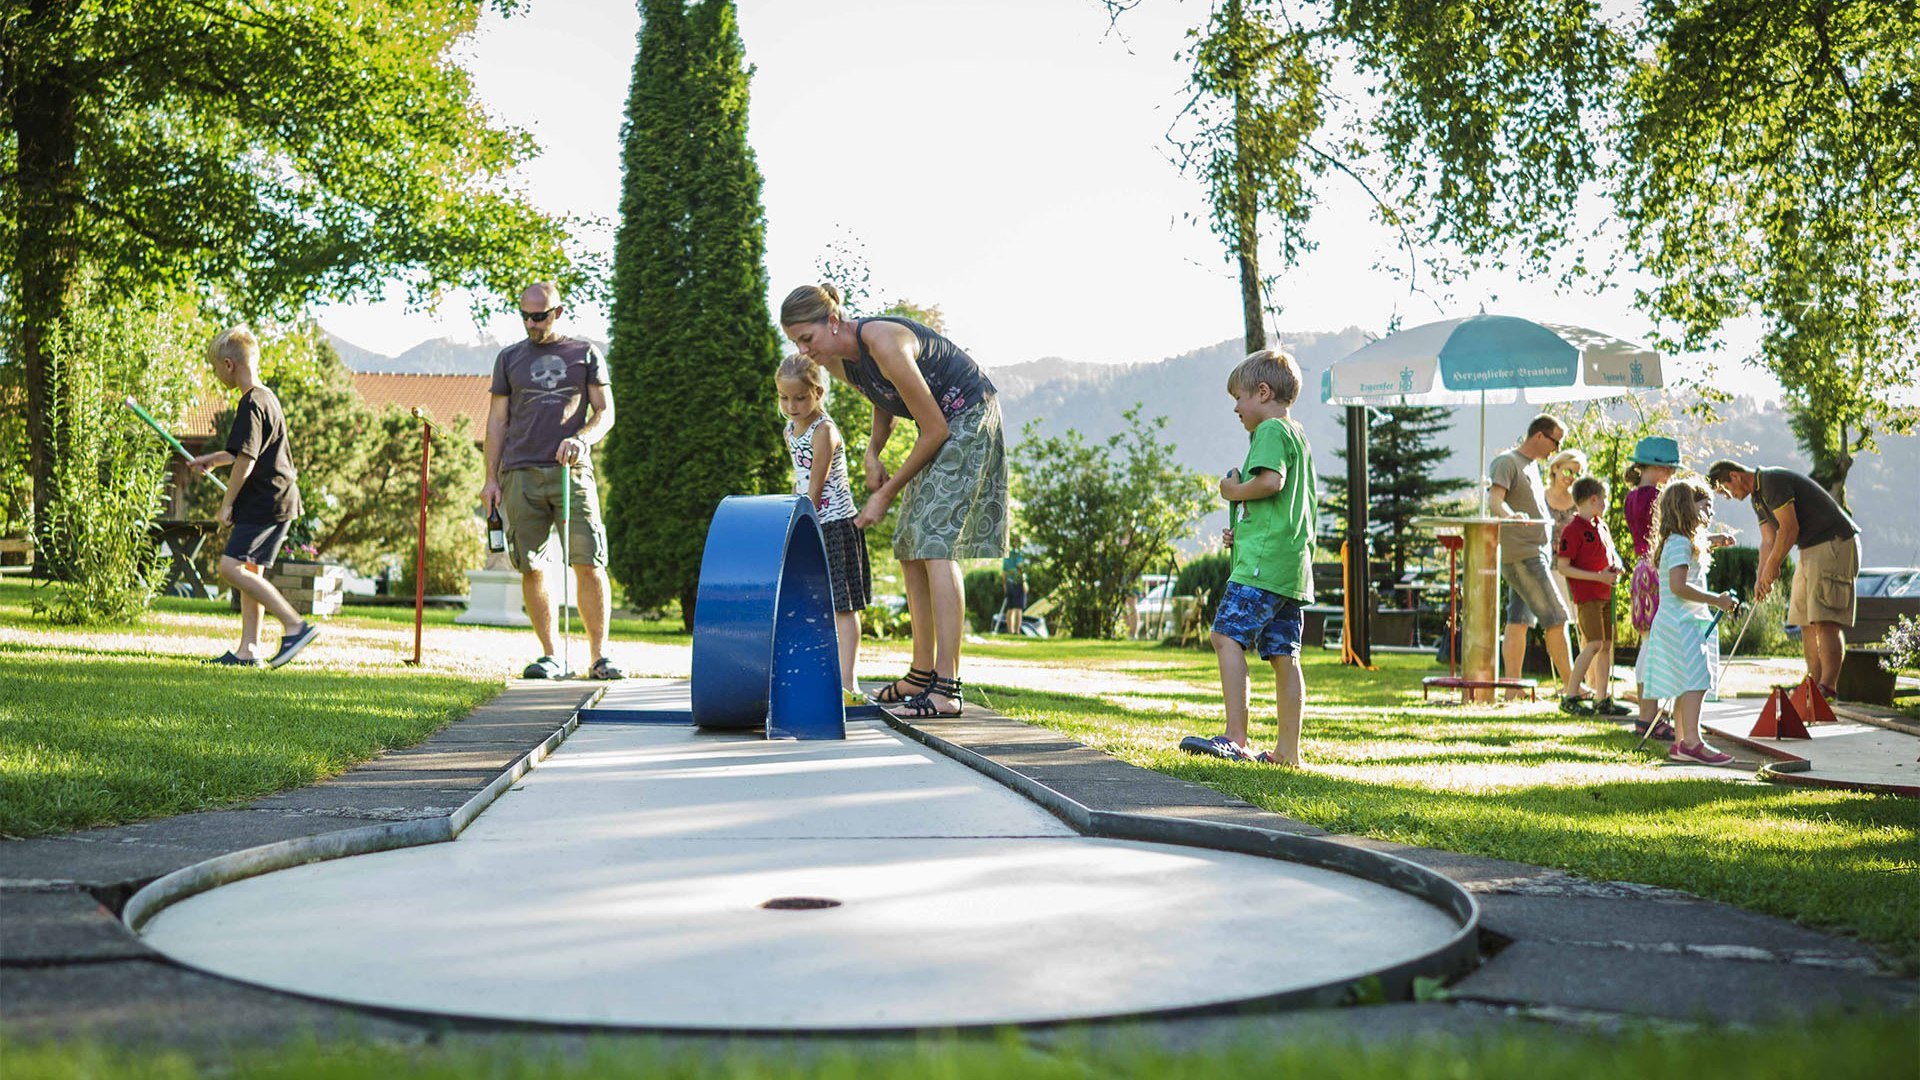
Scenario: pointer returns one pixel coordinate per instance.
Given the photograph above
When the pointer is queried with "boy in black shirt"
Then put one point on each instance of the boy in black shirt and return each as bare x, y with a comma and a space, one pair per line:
262, 500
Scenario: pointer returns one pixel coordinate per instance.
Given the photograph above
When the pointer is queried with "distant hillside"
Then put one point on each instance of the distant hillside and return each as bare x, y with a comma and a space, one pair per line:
439, 356
1190, 391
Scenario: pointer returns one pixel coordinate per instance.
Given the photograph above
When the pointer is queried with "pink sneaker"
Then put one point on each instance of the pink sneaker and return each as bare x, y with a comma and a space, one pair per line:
1698, 754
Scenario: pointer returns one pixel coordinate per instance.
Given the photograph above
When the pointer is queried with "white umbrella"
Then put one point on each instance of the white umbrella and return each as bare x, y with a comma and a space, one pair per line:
1489, 358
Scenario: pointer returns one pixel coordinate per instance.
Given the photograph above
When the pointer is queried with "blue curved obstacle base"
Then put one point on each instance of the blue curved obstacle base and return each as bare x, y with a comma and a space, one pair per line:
765, 656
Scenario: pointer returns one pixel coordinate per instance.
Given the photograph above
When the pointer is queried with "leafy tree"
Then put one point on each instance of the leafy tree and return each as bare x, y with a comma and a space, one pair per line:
1403, 454
693, 349
1101, 515
1256, 86
259, 153
1771, 167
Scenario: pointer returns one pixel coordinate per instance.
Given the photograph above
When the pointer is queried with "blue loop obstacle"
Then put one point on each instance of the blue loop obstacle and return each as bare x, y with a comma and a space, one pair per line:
764, 651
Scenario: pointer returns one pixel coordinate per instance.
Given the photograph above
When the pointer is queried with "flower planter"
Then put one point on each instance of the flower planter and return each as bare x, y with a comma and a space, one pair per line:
313, 588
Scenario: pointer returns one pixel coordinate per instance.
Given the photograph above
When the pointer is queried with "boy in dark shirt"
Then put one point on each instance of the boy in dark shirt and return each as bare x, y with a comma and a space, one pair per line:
262, 500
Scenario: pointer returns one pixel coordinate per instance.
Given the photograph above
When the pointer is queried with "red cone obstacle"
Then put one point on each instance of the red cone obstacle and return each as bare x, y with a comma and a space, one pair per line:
1779, 719
1811, 704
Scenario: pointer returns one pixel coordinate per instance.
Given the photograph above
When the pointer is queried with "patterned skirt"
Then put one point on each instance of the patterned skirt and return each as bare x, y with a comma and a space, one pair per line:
847, 564
956, 507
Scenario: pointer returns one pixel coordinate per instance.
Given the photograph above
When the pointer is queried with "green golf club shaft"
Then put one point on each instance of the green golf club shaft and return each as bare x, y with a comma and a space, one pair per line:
566, 568
171, 441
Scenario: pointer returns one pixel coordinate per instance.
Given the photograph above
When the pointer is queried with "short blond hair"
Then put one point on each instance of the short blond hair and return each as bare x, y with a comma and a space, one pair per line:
238, 345
1274, 367
803, 368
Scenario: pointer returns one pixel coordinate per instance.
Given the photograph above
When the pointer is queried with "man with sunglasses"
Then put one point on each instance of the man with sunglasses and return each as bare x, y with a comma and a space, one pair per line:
1525, 560
550, 404
1795, 511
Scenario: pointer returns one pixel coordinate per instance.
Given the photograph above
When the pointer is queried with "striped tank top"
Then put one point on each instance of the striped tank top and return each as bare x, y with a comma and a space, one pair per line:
836, 499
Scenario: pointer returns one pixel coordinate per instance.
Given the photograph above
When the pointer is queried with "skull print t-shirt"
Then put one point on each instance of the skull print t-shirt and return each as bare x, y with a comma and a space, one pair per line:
546, 387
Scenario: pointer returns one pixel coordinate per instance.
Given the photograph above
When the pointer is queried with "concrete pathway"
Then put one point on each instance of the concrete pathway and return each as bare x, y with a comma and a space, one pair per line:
1557, 947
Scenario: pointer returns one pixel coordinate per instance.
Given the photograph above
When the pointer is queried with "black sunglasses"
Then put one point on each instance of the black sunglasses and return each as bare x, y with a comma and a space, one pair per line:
539, 316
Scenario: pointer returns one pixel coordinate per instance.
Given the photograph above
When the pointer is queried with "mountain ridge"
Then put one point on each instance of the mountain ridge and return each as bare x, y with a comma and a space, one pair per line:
1189, 390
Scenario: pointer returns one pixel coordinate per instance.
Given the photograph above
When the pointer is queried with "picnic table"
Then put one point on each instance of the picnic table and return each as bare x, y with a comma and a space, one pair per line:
183, 541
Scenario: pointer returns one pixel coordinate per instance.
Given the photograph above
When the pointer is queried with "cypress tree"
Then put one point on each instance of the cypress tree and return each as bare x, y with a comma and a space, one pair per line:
693, 349
1402, 453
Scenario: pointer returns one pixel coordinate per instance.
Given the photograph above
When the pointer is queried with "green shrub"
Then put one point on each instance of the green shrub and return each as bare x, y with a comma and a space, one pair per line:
1204, 579
1735, 568
109, 478
986, 588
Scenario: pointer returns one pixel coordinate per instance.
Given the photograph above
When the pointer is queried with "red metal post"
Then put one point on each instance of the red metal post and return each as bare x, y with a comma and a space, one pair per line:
420, 552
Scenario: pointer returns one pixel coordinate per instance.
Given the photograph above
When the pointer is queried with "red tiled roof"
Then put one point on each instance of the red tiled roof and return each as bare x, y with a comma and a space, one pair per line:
444, 398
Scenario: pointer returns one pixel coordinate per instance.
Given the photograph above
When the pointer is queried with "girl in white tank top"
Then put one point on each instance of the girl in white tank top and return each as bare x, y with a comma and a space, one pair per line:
820, 476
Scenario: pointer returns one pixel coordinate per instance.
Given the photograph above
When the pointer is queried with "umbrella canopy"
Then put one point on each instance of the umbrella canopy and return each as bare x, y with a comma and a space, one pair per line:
1489, 359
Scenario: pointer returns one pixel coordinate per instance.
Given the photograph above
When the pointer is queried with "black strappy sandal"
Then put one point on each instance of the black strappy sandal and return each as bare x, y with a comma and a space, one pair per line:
920, 680
921, 707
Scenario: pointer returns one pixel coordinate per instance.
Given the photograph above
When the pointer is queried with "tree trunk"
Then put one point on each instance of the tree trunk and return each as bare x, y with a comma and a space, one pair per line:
43, 266
1246, 204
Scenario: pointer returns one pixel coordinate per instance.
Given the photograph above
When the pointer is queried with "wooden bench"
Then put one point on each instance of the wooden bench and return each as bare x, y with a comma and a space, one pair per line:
16, 545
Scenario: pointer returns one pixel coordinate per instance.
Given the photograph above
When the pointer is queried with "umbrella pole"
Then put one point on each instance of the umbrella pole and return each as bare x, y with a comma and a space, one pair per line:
1482, 464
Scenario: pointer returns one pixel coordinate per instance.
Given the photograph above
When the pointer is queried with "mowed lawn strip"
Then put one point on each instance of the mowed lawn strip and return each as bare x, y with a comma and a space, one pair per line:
1521, 782
91, 737
1833, 1047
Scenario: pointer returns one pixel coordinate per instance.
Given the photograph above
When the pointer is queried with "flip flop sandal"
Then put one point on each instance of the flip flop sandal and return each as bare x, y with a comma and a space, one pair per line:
603, 669
890, 694
227, 659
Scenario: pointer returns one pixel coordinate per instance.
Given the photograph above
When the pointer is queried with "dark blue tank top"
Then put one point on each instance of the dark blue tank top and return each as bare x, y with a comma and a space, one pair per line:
956, 381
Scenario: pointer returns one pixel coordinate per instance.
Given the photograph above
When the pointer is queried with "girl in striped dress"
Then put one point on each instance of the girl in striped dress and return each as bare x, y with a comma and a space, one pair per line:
1682, 648
820, 473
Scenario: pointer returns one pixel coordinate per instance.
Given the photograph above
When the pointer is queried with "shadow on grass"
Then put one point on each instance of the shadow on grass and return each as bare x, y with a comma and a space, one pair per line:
1837, 859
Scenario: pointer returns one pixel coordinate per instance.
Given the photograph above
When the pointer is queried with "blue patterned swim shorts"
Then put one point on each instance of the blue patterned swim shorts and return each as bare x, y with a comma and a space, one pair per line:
1257, 618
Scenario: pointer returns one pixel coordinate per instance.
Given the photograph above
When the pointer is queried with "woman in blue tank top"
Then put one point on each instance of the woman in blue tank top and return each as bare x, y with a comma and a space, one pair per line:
952, 487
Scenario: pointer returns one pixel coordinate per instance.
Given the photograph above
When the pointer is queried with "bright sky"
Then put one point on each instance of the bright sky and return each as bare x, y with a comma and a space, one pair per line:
1028, 193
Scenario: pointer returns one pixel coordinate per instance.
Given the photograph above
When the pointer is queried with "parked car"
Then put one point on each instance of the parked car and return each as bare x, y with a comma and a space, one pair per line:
1882, 594
1155, 605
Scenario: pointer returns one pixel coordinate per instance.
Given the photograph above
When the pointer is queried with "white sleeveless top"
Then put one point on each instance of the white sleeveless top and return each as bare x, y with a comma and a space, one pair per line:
836, 500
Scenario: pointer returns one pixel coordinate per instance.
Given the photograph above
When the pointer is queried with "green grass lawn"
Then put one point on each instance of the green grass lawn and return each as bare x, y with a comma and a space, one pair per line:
1833, 1048
95, 738
1519, 782
96, 729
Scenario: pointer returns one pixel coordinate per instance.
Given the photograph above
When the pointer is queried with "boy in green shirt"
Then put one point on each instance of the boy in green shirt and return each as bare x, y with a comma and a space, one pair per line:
1272, 536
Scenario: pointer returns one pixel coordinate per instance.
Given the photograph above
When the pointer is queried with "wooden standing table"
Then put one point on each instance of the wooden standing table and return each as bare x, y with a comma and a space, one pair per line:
1480, 601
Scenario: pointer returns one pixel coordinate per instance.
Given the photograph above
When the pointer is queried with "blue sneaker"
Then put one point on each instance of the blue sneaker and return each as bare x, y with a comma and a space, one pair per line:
1219, 746
291, 645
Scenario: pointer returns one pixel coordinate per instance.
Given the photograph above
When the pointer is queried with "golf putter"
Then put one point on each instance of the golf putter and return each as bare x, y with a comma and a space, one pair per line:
566, 572
171, 441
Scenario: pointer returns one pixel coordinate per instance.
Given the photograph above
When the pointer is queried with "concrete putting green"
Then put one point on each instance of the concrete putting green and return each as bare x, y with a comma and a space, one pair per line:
659, 876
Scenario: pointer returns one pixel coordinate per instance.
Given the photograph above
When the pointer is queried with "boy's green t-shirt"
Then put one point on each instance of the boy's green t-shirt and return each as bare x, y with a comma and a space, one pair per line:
1273, 537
